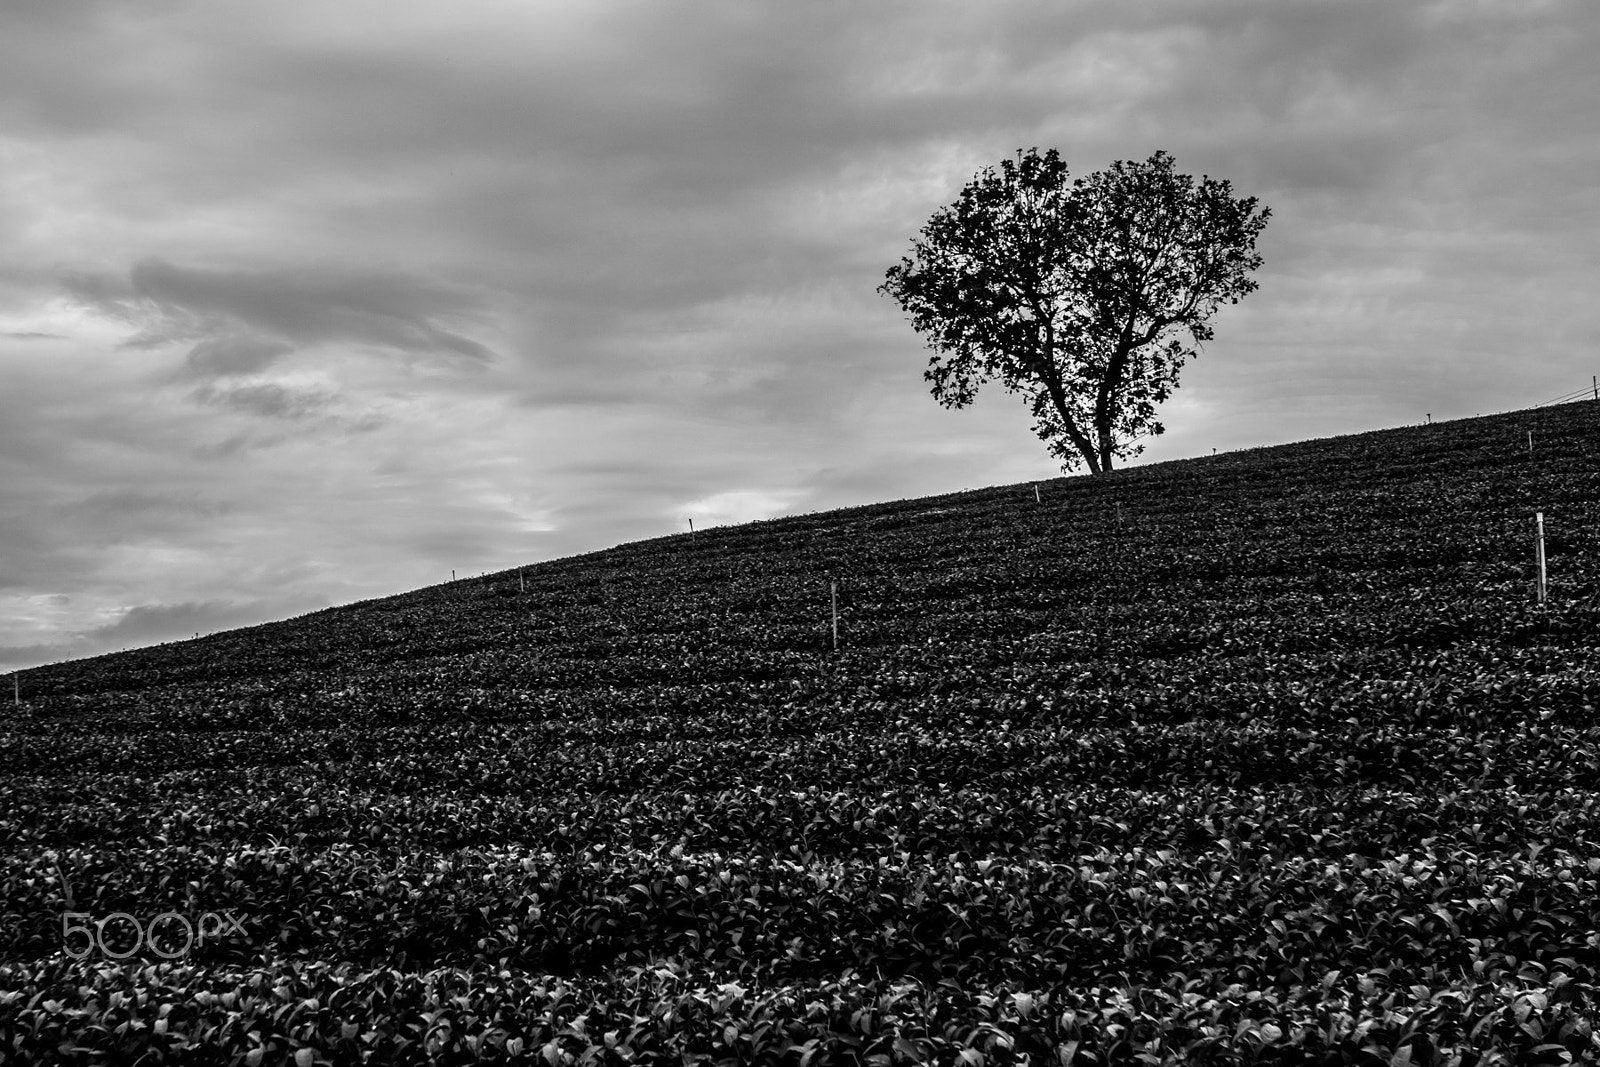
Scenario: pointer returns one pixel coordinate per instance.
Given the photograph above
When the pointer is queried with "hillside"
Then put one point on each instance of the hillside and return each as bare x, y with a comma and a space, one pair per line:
1262, 757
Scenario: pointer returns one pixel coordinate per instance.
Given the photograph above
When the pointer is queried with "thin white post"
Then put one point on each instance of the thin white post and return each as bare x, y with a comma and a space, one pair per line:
1539, 553
1119, 513
1036, 499
835, 596
1530, 442
522, 582
16, 690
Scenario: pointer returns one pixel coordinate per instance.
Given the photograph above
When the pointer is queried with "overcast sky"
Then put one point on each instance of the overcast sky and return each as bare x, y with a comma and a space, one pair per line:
306, 302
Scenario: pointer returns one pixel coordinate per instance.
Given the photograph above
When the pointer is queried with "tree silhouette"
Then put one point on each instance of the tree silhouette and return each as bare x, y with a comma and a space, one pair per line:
1076, 293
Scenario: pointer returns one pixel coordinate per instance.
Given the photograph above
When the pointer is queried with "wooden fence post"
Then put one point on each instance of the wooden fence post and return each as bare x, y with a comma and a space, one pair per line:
835, 597
1539, 553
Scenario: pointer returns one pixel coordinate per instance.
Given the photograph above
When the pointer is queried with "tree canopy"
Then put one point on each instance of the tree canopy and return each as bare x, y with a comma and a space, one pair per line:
1086, 295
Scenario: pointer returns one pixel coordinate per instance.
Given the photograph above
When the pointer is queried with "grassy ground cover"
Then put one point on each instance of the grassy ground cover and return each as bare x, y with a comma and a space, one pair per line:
1267, 757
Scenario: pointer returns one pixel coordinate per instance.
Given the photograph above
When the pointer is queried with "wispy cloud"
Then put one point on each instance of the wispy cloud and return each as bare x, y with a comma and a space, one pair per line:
232, 354
267, 400
280, 308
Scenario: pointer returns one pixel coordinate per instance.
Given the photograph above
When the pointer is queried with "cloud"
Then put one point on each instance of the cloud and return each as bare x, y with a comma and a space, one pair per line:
14, 657
116, 515
146, 623
267, 400
245, 319
306, 406
736, 506
233, 354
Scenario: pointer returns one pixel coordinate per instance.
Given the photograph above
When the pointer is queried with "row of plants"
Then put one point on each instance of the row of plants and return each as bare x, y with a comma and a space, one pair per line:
1269, 758
1247, 910
320, 1013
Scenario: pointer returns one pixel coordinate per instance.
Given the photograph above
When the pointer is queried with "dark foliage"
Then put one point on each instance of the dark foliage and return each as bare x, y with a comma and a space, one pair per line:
1085, 295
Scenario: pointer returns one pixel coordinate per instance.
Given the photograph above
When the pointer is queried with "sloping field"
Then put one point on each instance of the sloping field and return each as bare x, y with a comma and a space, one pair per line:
1265, 757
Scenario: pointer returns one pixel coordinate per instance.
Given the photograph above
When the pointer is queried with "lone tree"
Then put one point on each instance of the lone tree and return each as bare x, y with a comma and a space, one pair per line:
1076, 293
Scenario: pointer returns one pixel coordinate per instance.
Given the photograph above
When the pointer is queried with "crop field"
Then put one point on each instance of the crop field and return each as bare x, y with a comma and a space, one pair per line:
1268, 757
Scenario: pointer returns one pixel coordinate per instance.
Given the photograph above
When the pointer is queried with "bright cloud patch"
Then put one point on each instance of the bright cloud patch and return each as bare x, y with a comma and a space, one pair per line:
736, 506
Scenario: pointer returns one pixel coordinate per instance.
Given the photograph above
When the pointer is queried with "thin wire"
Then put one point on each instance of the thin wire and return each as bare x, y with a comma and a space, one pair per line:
1570, 396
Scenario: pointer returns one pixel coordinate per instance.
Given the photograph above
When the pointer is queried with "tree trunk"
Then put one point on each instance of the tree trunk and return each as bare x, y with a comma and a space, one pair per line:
1058, 398
1105, 402
1103, 444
